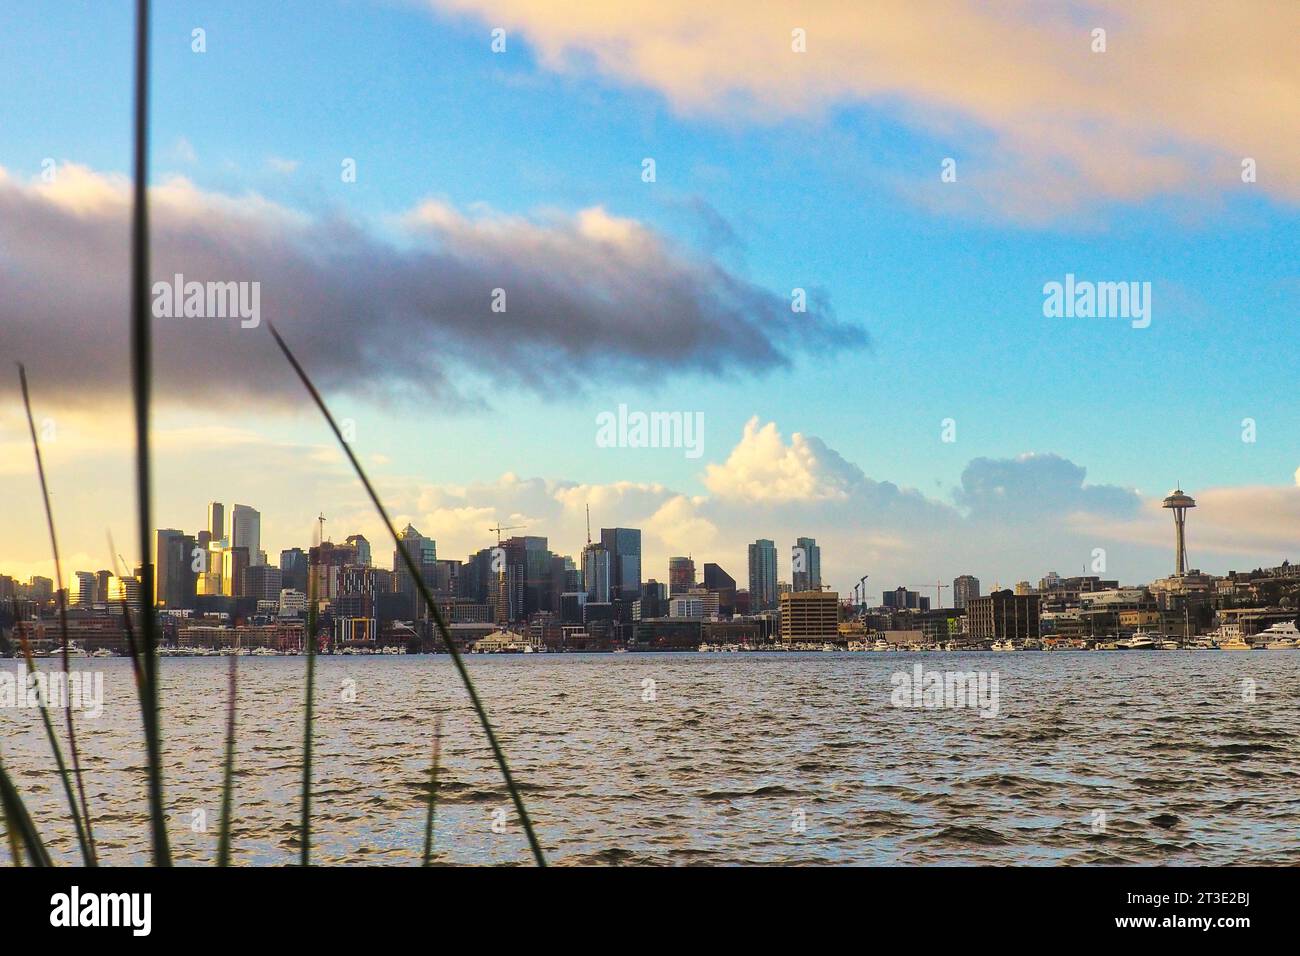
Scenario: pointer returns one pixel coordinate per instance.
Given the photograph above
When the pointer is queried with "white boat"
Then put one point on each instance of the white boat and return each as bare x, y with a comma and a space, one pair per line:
102, 652
1003, 646
1283, 636
1141, 641
72, 651
265, 652
880, 645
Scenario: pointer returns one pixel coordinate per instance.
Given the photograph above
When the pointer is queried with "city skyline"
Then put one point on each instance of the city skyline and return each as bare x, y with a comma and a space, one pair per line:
617, 547
897, 418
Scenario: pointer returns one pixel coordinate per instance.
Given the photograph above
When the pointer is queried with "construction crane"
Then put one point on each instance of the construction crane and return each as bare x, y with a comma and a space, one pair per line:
498, 529
938, 586
862, 587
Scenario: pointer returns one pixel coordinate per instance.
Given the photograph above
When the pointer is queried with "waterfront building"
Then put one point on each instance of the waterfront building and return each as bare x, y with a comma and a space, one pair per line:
810, 616
1003, 616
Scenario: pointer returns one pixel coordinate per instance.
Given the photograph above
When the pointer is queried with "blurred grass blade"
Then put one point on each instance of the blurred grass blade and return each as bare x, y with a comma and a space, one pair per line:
54, 744
223, 841
434, 610
18, 819
141, 380
433, 792
309, 639
85, 832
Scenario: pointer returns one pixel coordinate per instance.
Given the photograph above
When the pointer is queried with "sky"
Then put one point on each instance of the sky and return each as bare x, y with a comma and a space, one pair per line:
919, 171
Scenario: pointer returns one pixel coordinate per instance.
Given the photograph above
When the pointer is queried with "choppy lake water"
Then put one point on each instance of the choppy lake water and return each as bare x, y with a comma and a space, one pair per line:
1093, 758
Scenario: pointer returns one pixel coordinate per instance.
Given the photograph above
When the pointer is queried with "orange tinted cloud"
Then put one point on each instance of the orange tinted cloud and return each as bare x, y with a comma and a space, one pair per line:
1185, 90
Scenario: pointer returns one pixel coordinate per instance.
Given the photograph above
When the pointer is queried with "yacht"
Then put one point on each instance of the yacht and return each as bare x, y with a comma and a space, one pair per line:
1003, 646
1168, 645
1235, 643
1139, 642
880, 645
102, 652
72, 651
1283, 636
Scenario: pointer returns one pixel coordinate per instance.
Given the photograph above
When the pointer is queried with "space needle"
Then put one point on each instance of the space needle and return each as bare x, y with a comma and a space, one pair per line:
1179, 503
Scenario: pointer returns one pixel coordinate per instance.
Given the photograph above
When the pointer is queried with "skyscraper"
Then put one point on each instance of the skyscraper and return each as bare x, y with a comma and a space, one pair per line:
596, 565
806, 565
246, 531
174, 575
762, 575
624, 547
216, 520
723, 584
424, 552
293, 569
234, 571
964, 587
363, 548
84, 587
681, 575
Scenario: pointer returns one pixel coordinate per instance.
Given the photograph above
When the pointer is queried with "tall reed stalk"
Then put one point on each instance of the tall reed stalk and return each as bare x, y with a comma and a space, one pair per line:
430, 603
309, 640
85, 831
141, 381
429, 817
227, 786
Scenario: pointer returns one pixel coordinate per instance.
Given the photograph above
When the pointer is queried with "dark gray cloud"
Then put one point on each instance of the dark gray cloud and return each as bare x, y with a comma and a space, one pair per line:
589, 298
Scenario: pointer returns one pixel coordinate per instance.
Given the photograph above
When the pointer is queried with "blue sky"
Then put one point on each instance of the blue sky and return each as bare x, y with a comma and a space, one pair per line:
841, 195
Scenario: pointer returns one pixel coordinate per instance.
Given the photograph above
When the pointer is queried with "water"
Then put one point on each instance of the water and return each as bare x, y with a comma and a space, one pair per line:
732, 753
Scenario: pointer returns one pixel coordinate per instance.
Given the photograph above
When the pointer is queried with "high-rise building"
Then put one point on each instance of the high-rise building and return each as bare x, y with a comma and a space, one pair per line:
901, 599
293, 569
424, 554
723, 585
174, 574
246, 531
527, 577
84, 592
810, 616
806, 565
234, 571
681, 575
216, 521
964, 587
762, 575
263, 582
596, 572
624, 547
363, 548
